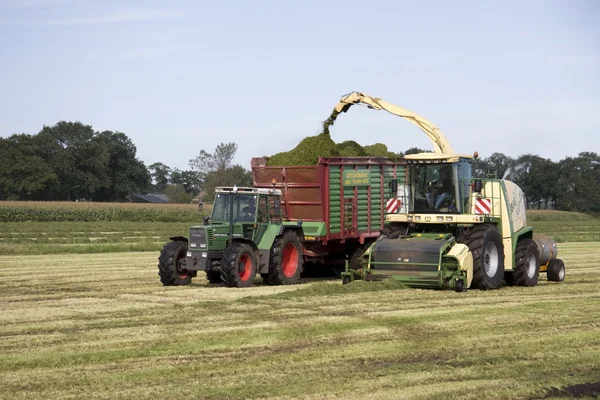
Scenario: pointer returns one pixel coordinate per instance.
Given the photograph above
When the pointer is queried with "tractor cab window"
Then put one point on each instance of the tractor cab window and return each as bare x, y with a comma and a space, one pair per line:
434, 187
274, 209
263, 210
244, 207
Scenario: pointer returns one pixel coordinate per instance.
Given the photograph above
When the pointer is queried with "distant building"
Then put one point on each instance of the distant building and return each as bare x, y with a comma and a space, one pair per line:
150, 198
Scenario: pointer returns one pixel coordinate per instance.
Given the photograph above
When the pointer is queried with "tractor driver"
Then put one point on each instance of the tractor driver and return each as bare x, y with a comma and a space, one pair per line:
440, 189
249, 211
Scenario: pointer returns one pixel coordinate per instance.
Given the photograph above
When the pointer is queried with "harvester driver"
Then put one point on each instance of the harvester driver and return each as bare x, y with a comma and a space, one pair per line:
441, 189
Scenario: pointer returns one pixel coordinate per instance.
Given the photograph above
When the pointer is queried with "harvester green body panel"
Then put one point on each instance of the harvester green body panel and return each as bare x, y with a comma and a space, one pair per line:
420, 262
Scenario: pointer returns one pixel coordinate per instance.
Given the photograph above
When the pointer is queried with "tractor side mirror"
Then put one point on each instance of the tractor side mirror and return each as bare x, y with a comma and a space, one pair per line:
477, 186
206, 220
394, 186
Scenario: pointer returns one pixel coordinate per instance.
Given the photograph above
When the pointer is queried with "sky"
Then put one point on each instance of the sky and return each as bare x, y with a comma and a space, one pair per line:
177, 77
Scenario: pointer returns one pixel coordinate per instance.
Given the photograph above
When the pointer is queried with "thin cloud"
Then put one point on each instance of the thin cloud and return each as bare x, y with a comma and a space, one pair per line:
118, 16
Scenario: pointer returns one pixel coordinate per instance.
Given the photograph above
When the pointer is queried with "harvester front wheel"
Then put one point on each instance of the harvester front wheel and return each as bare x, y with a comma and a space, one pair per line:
393, 230
527, 263
238, 266
170, 262
556, 270
286, 261
485, 243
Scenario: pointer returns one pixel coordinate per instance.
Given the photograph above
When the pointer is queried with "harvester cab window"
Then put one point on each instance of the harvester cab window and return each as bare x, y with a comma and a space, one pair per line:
434, 188
274, 209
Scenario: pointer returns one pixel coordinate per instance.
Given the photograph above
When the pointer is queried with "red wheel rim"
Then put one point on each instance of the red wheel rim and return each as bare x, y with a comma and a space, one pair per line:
290, 260
245, 267
184, 275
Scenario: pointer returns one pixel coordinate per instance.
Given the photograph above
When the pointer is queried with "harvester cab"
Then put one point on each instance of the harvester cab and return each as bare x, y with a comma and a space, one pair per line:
245, 235
452, 231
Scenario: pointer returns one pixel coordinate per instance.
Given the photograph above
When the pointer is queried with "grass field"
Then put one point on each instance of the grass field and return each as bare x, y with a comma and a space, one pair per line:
80, 326
51, 237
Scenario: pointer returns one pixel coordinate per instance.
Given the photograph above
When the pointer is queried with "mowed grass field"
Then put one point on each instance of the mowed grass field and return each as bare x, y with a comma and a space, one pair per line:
101, 326
50, 228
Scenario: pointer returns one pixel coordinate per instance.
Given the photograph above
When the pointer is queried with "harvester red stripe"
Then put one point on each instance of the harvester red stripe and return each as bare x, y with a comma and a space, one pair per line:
483, 206
391, 206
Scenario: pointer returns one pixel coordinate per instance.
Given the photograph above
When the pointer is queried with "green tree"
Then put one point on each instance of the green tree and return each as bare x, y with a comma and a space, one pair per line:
579, 183
126, 174
161, 176
79, 162
189, 180
217, 169
24, 175
178, 194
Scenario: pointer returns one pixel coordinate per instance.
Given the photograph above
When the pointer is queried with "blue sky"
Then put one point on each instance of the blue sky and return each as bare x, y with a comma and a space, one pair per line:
509, 76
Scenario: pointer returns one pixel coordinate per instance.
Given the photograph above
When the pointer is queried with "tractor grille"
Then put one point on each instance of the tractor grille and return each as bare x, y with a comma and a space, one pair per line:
197, 239
211, 239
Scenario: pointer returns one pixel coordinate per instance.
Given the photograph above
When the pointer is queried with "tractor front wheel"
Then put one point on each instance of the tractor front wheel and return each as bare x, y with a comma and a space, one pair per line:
170, 265
485, 243
556, 270
238, 266
213, 277
285, 265
527, 263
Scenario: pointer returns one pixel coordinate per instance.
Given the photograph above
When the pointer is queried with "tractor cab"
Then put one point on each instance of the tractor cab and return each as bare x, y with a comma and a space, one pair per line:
245, 208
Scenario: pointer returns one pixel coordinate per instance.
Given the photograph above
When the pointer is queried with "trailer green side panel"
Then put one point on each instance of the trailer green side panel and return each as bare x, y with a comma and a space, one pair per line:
335, 211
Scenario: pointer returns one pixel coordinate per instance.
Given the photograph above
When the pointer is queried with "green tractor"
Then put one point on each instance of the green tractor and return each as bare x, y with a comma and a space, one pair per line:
245, 235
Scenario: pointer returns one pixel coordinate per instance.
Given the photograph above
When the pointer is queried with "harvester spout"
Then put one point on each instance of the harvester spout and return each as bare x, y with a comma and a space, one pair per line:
435, 135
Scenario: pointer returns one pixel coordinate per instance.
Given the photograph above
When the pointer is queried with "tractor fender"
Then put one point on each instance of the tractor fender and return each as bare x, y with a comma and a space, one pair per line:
284, 228
179, 239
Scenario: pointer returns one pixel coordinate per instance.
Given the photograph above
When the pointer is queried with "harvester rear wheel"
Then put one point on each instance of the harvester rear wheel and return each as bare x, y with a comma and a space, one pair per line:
213, 277
556, 270
527, 263
285, 265
238, 266
169, 264
485, 243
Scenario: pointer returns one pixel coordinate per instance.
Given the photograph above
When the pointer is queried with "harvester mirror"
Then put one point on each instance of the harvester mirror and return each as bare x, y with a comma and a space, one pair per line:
477, 186
206, 220
394, 186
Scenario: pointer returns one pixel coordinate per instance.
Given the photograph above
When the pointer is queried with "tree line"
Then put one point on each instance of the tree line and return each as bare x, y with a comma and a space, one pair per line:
70, 161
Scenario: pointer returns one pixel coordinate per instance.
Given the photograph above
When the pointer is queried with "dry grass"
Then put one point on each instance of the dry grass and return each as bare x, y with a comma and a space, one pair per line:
102, 327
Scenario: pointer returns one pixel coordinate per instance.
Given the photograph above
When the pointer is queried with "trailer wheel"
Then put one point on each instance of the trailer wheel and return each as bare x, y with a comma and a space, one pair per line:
285, 265
485, 243
213, 277
170, 263
238, 266
527, 263
556, 270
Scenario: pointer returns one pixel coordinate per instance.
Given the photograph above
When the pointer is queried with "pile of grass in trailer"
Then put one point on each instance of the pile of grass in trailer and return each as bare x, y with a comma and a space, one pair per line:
102, 326
23, 211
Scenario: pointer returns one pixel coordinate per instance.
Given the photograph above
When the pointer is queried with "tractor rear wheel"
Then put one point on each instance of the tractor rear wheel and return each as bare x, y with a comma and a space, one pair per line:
556, 270
527, 263
285, 265
238, 266
170, 262
213, 277
485, 243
